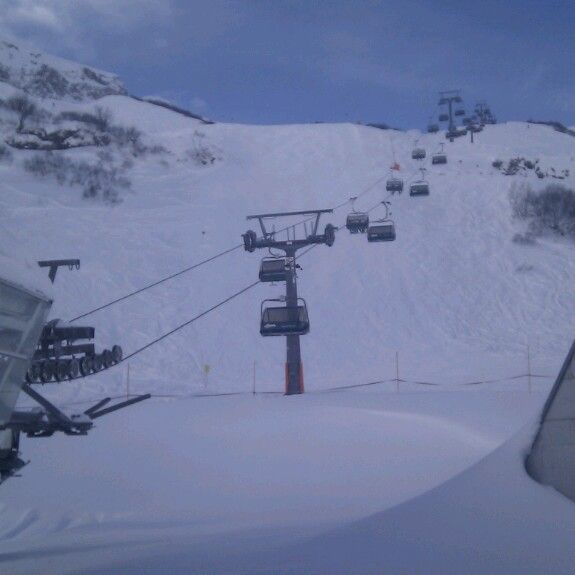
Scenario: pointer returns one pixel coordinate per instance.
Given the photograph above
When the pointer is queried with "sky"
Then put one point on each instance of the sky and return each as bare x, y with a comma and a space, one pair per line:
289, 61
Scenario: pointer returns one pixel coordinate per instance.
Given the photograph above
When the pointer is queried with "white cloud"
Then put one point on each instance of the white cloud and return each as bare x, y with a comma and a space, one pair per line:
77, 25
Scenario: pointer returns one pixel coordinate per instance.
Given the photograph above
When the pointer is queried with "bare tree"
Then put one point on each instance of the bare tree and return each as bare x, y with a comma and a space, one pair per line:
23, 107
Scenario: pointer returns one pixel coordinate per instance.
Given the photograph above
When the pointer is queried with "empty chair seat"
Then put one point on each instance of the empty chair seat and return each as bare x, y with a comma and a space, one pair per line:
273, 270
418, 154
357, 222
439, 159
443, 117
460, 112
383, 232
419, 189
433, 128
283, 320
394, 185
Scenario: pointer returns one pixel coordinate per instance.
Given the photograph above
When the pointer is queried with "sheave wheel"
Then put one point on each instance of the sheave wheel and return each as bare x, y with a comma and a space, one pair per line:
46, 372
86, 367
117, 354
107, 358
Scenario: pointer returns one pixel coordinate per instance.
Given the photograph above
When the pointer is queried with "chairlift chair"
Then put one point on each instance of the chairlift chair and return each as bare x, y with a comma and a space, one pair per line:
443, 117
394, 185
273, 269
419, 187
418, 154
460, 112
357, 222
283, 320
452, 134
433, 128
439, 157
381, 231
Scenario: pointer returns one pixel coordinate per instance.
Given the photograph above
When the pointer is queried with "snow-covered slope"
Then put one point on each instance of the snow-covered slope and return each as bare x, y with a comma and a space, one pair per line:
454, 296
265, 485
46, 76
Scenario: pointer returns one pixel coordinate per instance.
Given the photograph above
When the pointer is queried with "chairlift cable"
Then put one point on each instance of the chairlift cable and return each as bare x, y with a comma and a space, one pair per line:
203, 262
192, 320
165, 279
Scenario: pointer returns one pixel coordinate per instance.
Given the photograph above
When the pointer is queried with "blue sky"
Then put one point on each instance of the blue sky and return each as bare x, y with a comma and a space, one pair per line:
316, 60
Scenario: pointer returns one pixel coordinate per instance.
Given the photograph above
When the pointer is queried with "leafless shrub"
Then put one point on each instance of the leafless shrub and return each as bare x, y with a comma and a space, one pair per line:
102, 179
550, 210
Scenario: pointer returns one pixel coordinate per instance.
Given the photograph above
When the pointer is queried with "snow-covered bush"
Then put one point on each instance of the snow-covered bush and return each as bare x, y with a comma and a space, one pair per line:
550, 210
101, 119
201, 153
48, 82
102, 179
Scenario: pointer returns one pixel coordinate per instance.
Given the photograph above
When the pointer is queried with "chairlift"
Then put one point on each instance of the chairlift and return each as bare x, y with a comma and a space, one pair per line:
432, 128
439, 157
459, 112
452, 134
283, 320
394, 185
418, 153
273, 269
381, 231
444, 117
419, 187
357, 222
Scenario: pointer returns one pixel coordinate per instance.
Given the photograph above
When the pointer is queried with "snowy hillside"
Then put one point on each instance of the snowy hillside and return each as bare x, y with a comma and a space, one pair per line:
46, 76
139, 192
453, 285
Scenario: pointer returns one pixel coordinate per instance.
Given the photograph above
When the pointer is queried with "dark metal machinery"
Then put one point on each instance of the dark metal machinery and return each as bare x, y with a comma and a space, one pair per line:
65, 351
292, 319
23, 313
55, 264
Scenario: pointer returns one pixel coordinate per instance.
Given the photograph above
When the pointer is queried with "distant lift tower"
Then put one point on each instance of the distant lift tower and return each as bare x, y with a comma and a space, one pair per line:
290, 320
449, 98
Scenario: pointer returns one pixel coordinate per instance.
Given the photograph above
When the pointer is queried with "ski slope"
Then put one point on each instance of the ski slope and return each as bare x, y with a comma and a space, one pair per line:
175, 482
452, 285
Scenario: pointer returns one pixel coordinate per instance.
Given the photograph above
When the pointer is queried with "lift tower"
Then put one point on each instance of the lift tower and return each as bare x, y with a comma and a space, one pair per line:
292, 320
449, 98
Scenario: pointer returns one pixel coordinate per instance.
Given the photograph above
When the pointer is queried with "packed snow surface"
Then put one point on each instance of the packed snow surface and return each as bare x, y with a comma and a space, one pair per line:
308, 484
333, 481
